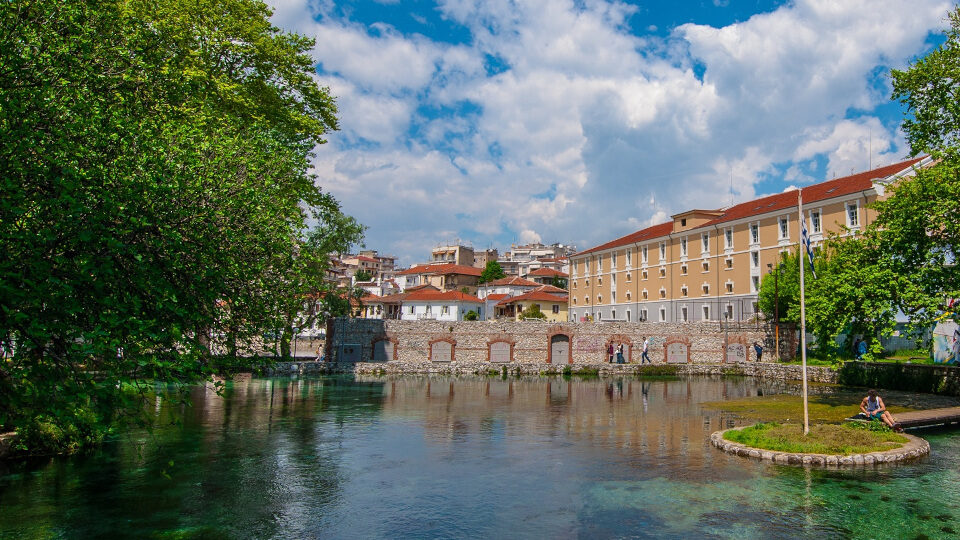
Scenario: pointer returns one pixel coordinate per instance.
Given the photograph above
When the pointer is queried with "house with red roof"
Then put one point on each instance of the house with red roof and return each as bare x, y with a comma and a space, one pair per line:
436, 305
551, 305
444, 276
546, 276
707, 264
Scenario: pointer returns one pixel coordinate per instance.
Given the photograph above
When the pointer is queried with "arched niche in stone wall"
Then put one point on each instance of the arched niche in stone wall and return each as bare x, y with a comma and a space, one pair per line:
618, 339
737, 350
500, 350
676, 350
385, 349
443, 349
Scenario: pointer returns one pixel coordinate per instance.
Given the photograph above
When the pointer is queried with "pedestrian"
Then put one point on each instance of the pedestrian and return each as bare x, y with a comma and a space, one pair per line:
620, 353
610, 353
861, 349
873, 408
644, 358
759, 349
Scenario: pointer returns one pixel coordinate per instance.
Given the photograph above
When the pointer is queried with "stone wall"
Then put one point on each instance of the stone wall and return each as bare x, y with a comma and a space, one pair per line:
481, 343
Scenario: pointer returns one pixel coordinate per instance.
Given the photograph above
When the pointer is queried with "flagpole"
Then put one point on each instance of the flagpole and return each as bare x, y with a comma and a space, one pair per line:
803, 316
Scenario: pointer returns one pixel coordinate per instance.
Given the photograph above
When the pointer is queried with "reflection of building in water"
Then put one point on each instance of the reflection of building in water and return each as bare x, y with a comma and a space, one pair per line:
661, 418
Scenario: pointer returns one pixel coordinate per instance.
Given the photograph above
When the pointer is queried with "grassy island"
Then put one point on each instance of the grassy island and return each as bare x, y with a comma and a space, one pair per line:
833, 439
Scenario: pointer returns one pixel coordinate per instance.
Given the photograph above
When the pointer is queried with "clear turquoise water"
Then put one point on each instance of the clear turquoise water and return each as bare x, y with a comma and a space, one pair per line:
436, 457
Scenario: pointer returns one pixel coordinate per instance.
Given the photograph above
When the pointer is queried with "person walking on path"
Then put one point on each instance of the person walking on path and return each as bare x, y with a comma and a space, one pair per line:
644, 358
610, 353
620, 353
759, 349
873, 408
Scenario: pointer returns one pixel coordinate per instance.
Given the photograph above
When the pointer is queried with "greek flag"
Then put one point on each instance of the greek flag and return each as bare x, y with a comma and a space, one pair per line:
805, 240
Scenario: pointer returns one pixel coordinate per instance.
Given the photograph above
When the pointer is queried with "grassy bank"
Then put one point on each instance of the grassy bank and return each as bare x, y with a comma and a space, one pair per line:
828, 409
823, 439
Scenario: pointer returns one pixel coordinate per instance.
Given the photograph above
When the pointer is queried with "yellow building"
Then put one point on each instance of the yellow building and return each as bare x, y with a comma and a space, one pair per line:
707, 264
554, 306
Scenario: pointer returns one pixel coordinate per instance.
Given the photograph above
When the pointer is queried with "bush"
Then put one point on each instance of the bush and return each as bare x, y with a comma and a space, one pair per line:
45, 435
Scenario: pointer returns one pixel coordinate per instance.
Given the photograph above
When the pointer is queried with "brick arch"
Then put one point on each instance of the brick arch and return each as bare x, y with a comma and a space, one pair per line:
672, 340
557, 330
389, 337
501, 339
737, 339
448, 339
619, 338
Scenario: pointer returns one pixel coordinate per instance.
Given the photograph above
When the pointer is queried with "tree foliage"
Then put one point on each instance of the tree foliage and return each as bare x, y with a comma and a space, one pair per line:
559, 282
362, 275
492, 272
532, 312
780, 289
154, 160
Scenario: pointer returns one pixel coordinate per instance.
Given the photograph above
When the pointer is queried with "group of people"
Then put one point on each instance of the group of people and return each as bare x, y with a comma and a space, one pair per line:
616, 354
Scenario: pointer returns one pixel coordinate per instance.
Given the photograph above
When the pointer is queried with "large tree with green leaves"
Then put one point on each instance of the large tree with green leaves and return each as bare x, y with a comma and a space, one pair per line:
154, 160
492, 272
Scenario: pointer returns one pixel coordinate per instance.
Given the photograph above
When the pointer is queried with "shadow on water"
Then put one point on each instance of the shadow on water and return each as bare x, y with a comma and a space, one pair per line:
439, 457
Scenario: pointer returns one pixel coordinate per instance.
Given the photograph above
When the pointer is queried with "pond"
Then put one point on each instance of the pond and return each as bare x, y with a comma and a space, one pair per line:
436, 457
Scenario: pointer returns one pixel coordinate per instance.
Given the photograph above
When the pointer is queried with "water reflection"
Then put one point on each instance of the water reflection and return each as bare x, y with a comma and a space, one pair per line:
468, 457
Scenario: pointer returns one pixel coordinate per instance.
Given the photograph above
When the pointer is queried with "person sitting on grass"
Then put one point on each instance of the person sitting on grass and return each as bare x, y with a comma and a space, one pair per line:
873, 408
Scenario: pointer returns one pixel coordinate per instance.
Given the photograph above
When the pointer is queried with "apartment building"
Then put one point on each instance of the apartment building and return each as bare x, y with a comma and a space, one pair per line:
708, 264
453, 254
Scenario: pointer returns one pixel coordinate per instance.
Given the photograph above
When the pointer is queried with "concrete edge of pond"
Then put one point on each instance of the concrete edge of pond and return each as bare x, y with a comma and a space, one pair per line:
913, 449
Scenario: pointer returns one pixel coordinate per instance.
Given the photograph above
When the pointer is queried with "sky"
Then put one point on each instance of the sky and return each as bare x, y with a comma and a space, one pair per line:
499, 122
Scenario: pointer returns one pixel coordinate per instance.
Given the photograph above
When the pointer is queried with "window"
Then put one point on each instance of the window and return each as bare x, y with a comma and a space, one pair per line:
628, 296
645, 296
730, 311
683, 246
613, 296
755, 259
586, 299
599, 298
574, 285
663, 272
613, 260
574, 301
586, 282
683, 269
853, 215
754, 233
705, 241
628, 315
728, 238
643, 314
445, 310
683, 290
706, 313
599, 280
643, 254
574, 268
429, 309
683, 314
729, 263
784, 228
613, 314
815, 221
706, 289
663, 251
629, 257
754, 283
644, 275
663, 314
599, 315
729, 287
663, 293
683, 222
706, 266
628, 277
411, 309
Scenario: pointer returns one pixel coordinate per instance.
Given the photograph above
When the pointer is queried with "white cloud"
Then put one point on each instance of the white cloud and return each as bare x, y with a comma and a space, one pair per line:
592, 132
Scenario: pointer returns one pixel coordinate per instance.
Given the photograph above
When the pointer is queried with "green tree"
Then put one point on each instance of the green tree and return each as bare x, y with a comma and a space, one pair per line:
532, 312
362, 275
780, 288
471, 316
155, 165
492, 272
559, 282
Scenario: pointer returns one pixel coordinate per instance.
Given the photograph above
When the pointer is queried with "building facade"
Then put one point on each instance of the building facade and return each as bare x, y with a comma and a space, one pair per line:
707, 265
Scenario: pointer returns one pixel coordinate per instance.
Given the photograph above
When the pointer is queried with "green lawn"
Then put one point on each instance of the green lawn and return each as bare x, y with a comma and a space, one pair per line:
823, 439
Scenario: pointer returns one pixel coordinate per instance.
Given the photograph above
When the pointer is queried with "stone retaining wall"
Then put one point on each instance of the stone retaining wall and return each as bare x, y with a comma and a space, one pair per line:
915, 448
473, 345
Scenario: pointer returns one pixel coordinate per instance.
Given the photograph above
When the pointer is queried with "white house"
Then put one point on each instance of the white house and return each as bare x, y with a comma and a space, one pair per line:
440, 306
511, 286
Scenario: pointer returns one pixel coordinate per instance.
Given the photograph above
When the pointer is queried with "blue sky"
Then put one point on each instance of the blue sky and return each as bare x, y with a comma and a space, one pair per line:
508, 121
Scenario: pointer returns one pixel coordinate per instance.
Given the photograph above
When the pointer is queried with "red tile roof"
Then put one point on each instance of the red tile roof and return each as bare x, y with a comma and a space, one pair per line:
655, 231
551, 289
817, 192
548, 272
533, 296
425, 286
497, 296
437, 296
515, 281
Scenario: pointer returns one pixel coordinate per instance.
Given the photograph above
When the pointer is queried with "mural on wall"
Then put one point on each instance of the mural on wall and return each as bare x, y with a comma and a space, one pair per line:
946, 342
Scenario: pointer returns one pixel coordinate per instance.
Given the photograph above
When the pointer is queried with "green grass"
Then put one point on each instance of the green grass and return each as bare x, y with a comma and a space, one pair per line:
830, 408
823, 439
